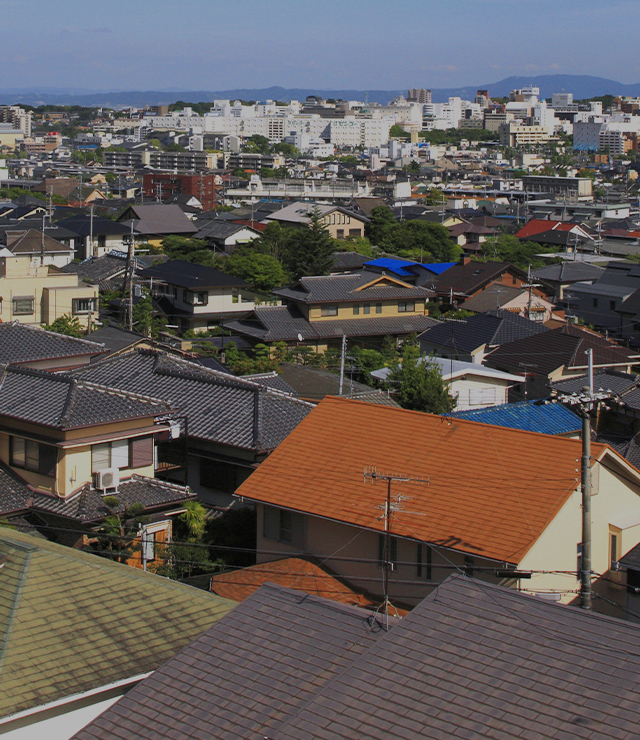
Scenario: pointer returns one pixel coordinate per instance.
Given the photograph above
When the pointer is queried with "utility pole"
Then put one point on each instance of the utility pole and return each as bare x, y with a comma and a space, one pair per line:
92, 248
390, 506
342, 356
585, 402
127, 293
530, 285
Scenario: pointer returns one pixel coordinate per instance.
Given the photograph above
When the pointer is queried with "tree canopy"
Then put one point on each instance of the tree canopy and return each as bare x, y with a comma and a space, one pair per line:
262, 271
507, 248
418, 385
309, 250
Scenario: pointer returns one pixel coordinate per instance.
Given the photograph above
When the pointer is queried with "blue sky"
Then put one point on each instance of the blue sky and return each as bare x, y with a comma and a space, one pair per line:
213, 45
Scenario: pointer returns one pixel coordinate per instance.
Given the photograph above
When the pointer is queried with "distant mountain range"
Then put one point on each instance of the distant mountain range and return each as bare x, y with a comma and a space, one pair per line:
582, 86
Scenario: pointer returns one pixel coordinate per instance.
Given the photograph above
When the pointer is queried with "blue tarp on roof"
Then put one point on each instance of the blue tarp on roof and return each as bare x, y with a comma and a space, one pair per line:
402, 267
551, 418
396, 266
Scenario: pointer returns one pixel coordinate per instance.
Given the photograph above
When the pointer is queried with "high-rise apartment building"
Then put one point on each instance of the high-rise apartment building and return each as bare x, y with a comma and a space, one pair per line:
419, 95
18, 117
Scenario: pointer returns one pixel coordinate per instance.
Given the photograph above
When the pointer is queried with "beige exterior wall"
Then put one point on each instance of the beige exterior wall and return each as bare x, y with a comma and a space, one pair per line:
615, 506
340, 225
219, 300
73, 468
345, 310
474, 393
325, 537
52, 291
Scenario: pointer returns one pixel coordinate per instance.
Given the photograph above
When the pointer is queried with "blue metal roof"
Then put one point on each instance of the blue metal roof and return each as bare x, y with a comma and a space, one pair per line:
396, 266
402, 267
551, 418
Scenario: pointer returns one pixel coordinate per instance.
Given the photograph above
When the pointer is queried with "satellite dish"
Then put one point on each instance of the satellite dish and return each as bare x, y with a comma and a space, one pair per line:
299, 337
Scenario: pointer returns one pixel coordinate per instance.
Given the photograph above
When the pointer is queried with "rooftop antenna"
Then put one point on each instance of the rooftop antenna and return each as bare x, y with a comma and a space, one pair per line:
391, 504
530, 285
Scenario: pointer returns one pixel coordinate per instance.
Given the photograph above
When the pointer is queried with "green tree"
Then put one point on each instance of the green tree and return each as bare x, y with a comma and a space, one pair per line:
587, 172
418, 385
144, 319
257, 144
287, 150
118, 537
508, 248
262, 271
397, 131
273, 240
420, 240
381, 219
309, 249
69, 325
189, 250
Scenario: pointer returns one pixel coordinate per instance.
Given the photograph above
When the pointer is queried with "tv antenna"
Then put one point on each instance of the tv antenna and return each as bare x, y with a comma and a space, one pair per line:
391, 505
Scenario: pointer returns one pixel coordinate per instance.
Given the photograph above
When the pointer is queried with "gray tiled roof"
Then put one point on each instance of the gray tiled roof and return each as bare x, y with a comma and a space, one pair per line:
24, 343
191, 275
478, 661
218, 229
244, 675
284, 323
491, 328
325, 289
569, 272
88, 505
606, 380
472, 660
158, 219
220, 407
96, 269
271, 380
65, 402
14, 492
564, 346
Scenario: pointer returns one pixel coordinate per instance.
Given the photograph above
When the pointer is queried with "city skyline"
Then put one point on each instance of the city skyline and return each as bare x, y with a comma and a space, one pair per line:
358, 44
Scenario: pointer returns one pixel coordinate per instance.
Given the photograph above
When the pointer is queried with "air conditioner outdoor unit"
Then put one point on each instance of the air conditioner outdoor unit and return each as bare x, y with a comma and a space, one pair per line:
107, 478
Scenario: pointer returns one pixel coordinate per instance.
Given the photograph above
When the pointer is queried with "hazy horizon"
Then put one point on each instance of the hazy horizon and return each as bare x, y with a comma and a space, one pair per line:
358, 44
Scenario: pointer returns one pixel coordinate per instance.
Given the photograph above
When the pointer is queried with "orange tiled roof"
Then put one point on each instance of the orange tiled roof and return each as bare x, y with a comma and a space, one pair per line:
298, 573
488, 491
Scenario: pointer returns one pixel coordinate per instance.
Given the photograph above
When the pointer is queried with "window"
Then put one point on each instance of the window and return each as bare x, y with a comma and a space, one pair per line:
613, 550
612, 305
149, 540
406, 306
221, 476
378, 307
284, 526
329, 311
356, 310
30, 455
83, 305
22, 306
393, 551
122, 453
579, 561
201, 299
0, 304
424, 562
595, 303
354, 232
339, 233
366, 308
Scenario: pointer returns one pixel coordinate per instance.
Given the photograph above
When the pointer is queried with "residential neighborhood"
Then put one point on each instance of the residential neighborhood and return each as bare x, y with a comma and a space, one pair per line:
319, 405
